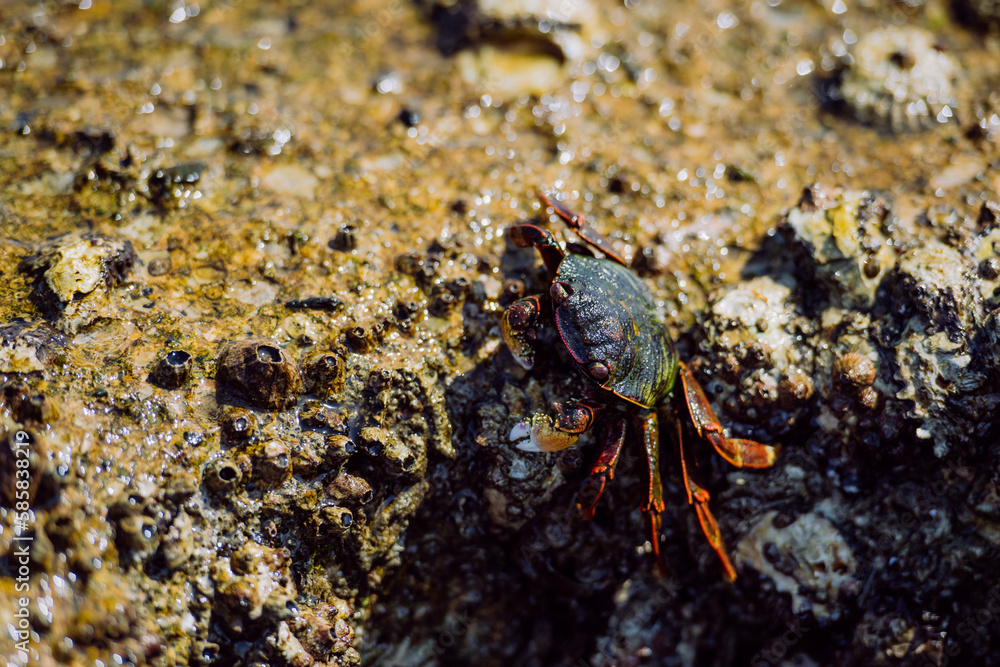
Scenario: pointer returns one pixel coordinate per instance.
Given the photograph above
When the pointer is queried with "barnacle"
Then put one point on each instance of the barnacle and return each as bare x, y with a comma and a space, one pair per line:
900, 80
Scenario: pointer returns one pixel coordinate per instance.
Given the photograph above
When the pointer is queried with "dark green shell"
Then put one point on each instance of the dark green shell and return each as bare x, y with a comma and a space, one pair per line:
610, 317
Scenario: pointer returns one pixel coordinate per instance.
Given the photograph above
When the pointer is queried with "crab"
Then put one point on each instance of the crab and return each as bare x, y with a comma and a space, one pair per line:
612, 331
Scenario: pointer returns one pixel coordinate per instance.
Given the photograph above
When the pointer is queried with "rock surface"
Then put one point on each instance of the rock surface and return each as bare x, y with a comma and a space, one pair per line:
809, 190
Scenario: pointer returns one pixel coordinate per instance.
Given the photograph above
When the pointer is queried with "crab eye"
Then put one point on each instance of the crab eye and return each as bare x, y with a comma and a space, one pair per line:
599, 370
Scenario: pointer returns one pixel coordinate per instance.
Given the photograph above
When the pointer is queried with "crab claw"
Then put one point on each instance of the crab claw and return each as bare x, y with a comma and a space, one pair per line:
537, 434
518, 329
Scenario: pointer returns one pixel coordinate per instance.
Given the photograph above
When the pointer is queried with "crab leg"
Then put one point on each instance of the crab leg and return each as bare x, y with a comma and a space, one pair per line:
578, 223
525, 236
604, 468
540, 433
649, 428
699, 497
739, 452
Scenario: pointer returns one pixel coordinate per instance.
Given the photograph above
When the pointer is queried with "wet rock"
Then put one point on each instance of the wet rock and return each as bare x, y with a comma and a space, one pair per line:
513, 484
73, 275
413, 406
26, 406
906, 338
900, 81
941, 350
807, 557
254, 589
843, 237
258, 372
174, 186
756, 335
180, 486
177, 545
899, 635
639, 622
28, 346
518, 48
375, 540
172, 370
387, 448
986, 254
88, 143
43, 553
108, 613
106, 183
20, 450
986, 125
324, 630
977, 13
284, 647
536, 586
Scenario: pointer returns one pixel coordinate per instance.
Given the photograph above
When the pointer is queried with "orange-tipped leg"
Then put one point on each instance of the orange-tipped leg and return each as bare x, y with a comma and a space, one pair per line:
699, 497
654, 522
603, 470
649, 427
740, 453
711, 529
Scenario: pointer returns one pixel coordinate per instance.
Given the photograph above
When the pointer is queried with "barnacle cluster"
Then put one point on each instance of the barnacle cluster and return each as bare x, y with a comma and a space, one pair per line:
755, 332
912, 329
900, 80
516, 47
